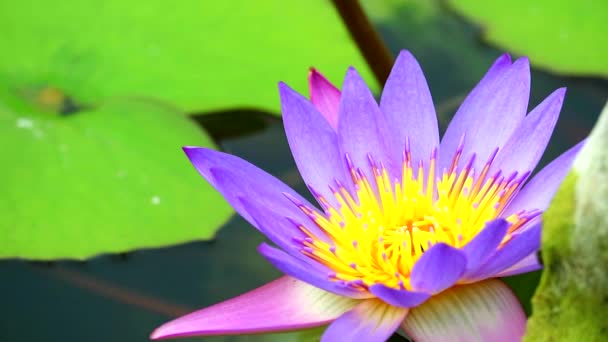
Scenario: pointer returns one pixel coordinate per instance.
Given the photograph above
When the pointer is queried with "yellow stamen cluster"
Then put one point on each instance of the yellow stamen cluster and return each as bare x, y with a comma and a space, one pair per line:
379, 232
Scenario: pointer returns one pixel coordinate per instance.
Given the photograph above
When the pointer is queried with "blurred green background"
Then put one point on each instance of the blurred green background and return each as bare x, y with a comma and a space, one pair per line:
96, 100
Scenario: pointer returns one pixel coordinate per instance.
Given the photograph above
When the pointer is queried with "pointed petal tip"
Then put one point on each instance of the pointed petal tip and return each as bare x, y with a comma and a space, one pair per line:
155, 335
188, 149
407, 104
314, 77
283, 88
405, 54
324, 95
161, 333
520, 70
317, 82
555, 98
504, 58
263, 248
490, 113
174, 329
523, 59
405, 59
558, 95
404, 63
313, 73
502, 62
353, 81
352, 72
522, 63
289, 96
286, 92
194, 152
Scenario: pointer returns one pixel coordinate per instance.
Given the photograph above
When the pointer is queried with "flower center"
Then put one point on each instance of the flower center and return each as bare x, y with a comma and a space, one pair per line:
378, 232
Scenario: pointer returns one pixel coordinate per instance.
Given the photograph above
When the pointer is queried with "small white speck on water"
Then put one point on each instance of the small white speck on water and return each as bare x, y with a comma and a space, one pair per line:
25, 123
155, 200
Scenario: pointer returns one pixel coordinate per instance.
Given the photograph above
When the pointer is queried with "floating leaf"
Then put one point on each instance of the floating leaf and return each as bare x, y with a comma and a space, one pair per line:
109, 179
563, 36
197, 55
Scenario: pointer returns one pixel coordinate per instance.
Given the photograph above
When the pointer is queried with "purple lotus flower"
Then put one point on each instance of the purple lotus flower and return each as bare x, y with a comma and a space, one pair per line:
412, 231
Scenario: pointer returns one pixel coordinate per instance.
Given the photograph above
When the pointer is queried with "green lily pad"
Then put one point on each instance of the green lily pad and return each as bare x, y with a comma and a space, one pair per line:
108, 179
563, 36
198, 55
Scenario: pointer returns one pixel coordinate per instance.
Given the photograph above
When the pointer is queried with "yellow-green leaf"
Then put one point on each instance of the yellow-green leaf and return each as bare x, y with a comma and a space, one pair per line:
198, 55
109, 179
564, 36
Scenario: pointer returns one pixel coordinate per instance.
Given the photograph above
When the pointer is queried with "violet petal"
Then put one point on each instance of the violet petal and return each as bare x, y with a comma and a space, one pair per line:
316, 275
520, 246
362, 129
408, 106
277, 228
397, 297
525, 147
235, 187
539, 191
482, 246
243, 178
525, 265
313, 143
438, 268
490, 114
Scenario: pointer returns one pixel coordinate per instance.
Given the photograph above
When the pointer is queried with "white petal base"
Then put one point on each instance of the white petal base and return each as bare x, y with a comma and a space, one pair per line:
371, 320
483, 311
